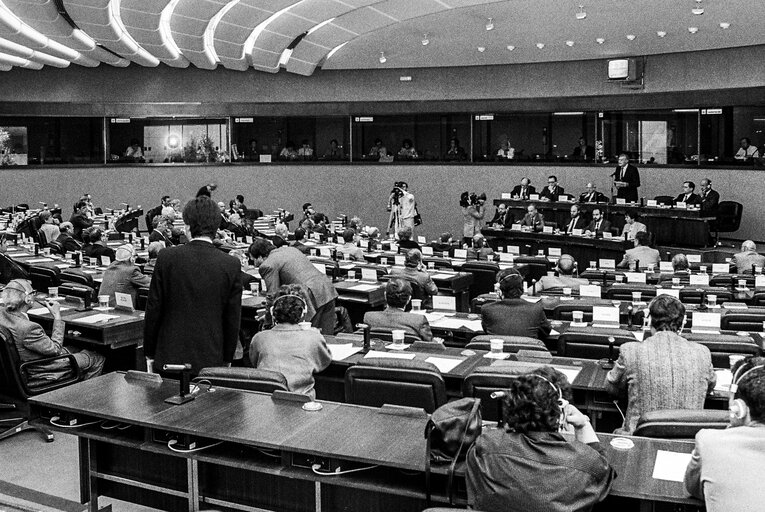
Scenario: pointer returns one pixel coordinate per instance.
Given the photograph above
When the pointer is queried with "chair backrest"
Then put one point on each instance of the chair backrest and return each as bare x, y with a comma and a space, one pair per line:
743, 321
589, 345
482, 385
56, 247
692, 296
480, 301
74, 275
142, 297
484, 276
437, 262
723, 346
565, 311
665, 199
11, 383
729, 216
510, 344
342, 320
376, 382
624, 291
251, 379
44, 277
86, 293
680, 423
532, 268
758, 299
387, 335
42, 238
10, 270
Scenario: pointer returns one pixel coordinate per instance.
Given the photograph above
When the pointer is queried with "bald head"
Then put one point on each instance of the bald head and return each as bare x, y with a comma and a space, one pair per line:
748, 246
566, 264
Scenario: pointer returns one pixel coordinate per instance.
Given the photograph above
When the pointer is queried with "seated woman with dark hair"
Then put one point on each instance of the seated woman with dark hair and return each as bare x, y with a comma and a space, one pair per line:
527, 464
287, 348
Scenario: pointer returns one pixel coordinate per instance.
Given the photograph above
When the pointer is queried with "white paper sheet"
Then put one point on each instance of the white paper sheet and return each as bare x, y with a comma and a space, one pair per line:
94, 319
390, 355
496, 355
448, 323
444, 365
43, 311
39, 260
340, 352
432, 317
670, 465
639, 335
553, 332
473, 325
441, 275
570, 373
364, 287
724, 379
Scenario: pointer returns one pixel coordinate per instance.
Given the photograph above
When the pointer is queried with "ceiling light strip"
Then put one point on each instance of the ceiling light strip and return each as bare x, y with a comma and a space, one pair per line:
209, 35
17, 27
27, 53
19, 61
165, 33
249, 44
139, 54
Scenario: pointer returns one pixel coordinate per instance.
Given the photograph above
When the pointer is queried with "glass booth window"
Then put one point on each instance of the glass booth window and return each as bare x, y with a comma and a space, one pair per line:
47, 140
14, 146
511, 137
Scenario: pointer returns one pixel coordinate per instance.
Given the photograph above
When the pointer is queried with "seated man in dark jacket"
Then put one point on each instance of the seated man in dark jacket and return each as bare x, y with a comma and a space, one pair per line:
513, 316
398, 293
528, 464
66, 239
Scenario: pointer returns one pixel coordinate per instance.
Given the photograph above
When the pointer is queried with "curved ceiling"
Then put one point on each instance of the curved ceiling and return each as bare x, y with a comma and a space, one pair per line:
303, 35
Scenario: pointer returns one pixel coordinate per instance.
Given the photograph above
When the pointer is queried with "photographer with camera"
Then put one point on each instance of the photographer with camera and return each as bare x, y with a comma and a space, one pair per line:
473, 211
402, 208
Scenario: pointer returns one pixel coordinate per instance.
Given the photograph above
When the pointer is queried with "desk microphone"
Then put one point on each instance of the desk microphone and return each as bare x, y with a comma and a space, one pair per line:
609, 364
498, 394
367, 336
533, 287
629, 316
184, 394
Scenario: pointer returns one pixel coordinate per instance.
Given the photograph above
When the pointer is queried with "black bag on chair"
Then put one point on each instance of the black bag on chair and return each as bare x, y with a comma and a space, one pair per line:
450, 431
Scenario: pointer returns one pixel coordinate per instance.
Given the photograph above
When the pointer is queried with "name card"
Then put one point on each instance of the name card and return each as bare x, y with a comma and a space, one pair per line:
577, 231
607, 234
668, 291
651, 202
681, 205
427, 251
106, 261
248, 239
399, 260
514, 249
554, 251
515, 227
621, 200
368, 274
444, 303
506, 256
421, 240
605, 263
263, 287
265, 159
460, 254
666, 266
123, 300
563, 198
394, 247
321, 267
635, 277
699, 280
720, 268
506, 195
693, 258
547, 229
706, 321
325, 251
534, 197
590, 290
316, 236
759, 281
605, 314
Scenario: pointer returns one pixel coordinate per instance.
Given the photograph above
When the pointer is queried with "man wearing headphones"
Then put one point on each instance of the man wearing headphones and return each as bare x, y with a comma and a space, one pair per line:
564, 279
727, 465
513, 316
31, 341
527, 464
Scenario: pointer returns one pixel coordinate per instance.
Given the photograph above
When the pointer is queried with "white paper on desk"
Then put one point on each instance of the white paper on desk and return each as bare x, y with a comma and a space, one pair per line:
635, 277
94, 319
321, 267
43, 311
531, 299
473, 325
496, 355
441, 275
17, 255
666, 266
759, 281
427, 251
670, 465
368, 274
569, 372
62, 265
553, 332
722, 268
449, 323
361, 287
605, 263
724, 380
710, 321
39, 260
699, 279
639, 335
432, 317
444, 303
590, 290
444, 365
605, 314
391, 355
668, 291
340, 352
421, 240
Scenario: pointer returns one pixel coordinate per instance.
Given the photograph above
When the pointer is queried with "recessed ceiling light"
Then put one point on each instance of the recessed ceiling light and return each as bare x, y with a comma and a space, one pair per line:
661, 33
481, 49
600, 40
510, 47
490, 24
569, 43
425, 40
540, 45
631, 37
693, 30
581, 14
383, 60
724, 24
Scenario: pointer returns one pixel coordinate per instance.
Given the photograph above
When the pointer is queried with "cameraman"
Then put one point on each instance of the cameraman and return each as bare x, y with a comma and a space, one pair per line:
473, 211
401, 207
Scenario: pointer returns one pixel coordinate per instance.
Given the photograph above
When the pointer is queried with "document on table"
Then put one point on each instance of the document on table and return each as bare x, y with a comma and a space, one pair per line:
364, 287
670, 465
433, 317
40, 260
452, 323
444, 364
724, 380
43, 311
342, 351
442, 276
569, 372
390, 355
94, 319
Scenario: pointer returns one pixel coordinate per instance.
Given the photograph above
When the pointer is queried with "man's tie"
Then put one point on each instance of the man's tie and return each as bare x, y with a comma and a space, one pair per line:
597, 226
523, 192
571, 225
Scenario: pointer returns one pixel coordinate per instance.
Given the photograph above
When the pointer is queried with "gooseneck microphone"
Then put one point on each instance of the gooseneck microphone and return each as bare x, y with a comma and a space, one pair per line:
184, 394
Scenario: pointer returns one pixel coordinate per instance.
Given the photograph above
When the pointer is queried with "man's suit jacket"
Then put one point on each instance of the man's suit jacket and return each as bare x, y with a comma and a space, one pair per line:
593, 197
68, 243
300, 246
744, 261
394, 318
95, 251
80, 222
194, 307
536, 221
123, 277
515, 317
692, 199
643, 254
710, 202
287, 265
552, 196
505, 222
581, 223
604, 226
32, 343
159, 236
517, 191
632, 177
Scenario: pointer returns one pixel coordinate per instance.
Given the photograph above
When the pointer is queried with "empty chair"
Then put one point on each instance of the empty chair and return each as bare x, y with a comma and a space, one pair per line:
511, 344
721, 280
376, 382
484, 276
742, 321
44, 277
664, 199
532, 268
565, 311
251, 379
437, 262
74, 275
142, 298
56, 247
680, 423
590, 345
78, 291
723, 346
624, 291
342, 320
758, 299
387, 335
692, 296
728, 217
481, 384
10, 270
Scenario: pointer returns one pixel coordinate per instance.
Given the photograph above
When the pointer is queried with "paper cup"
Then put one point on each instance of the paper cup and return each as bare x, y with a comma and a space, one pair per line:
496, 346
416, 304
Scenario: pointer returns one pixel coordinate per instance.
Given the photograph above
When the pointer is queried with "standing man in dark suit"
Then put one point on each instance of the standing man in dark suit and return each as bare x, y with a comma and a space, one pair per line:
598, 224
513, 316
576, 221
398, 293
287, 265
80, 220
710, 199
524, 190
195, 298
626, 180
688, 196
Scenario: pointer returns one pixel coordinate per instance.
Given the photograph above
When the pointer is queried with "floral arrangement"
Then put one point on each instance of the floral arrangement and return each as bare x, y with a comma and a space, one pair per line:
6, 158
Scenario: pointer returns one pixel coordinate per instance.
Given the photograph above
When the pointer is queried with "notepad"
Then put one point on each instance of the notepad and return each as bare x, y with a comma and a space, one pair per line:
43, 311
390, 355
444, 364
706, 322
590, 290
670, 465
342, 351
94, 319
698, 279
668, 291
635, 277
363, 287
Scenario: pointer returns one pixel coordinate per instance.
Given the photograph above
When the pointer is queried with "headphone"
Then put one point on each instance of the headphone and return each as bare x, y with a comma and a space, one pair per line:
298, 297
738, 407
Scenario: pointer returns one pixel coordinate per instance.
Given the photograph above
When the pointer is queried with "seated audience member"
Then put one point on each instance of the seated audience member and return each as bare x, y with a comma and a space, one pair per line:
252, 154
455, 152
583, 151
527, 464
161, 231
97, 248
726, 466
334, 152
632, 226
552, 190
356, 224
681, 269
288, 152
414, 272
378, 150
299, 239
349, 249
502, 219
575, 221
480, 249
405, 239
598, 225
710, 199
65, 240
747, 258
123, 275
747, 152
134, 151
641, 255
564, 279
80, 220
407, 151
398, 293
153, 249
157, 210
296, 353
591, 195
664, 371
511, 315
207, 190
688, 196
444, 243
49, 226
281, 234
306, 151
33, 343
533, 219
320, 221
505, 151
524, 190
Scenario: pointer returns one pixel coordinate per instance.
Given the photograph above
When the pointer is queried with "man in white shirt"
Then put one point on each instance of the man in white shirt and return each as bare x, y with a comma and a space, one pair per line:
747, 151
